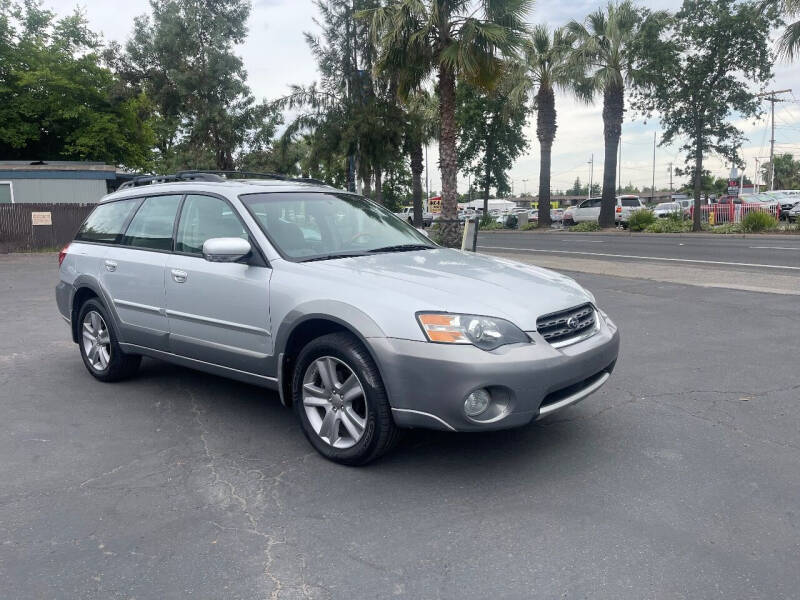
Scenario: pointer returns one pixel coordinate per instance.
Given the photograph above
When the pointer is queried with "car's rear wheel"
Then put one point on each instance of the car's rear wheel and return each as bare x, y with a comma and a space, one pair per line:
99, 346
341, 402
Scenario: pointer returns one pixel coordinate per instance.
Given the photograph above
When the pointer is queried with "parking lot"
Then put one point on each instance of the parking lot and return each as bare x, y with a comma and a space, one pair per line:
679, 479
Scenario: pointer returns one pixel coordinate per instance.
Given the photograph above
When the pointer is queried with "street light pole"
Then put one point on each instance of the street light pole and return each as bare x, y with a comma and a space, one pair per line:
591, 176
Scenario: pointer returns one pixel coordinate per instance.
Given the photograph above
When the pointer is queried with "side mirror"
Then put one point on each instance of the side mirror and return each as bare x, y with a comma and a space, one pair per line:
225, 249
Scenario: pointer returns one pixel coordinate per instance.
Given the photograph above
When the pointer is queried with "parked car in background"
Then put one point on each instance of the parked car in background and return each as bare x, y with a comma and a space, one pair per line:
665, 209
360, 323
589, 210
793, 213
407, 214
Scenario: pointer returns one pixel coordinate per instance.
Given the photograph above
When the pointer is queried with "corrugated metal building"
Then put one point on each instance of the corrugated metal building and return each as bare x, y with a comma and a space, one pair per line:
56, 182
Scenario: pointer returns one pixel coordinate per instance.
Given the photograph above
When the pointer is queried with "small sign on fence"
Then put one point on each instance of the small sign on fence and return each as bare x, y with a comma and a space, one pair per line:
41, 218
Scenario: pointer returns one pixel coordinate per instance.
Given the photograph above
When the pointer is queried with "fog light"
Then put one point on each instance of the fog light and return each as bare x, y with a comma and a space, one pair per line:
477, 402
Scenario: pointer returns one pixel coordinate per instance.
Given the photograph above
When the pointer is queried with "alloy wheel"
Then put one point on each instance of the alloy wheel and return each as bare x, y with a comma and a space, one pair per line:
334, 402
96, 340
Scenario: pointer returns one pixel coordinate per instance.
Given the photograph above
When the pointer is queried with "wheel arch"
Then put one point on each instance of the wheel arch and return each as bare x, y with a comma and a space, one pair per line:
85, 289
299, 329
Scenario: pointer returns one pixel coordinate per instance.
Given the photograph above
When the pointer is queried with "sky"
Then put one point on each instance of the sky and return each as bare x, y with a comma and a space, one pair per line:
276, 55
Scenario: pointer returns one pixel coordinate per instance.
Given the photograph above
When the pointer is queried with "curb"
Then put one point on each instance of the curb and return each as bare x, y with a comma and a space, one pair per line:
702, 234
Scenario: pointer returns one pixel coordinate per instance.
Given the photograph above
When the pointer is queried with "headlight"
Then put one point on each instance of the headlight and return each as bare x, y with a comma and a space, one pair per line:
487, 333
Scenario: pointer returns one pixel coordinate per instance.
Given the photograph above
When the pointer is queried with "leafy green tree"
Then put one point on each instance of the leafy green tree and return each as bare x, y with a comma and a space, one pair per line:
576, 188
57, 99
550, 65
183, 59
491, 135
352, 112
607, 43
450, 39
787, 172
699, 75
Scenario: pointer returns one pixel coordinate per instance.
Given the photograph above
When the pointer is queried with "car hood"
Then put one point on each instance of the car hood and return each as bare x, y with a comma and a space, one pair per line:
453, 281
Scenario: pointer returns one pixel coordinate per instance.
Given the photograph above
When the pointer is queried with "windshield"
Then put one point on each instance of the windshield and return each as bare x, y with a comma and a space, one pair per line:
318, 226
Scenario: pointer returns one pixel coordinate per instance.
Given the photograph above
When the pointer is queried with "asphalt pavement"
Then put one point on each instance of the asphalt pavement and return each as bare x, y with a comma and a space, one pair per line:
679, 479
780, 253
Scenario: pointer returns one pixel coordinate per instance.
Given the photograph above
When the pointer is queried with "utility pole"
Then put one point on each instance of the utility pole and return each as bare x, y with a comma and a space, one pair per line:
653, 187
591, 177
770, 97
525, 187
619, 166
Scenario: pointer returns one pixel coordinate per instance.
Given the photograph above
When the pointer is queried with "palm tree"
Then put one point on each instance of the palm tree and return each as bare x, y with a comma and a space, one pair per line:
605, 42
789, 43
422, 124
451, 39
550, 65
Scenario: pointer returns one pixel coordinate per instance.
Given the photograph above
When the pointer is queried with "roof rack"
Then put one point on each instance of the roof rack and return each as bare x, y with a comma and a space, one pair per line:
216, 176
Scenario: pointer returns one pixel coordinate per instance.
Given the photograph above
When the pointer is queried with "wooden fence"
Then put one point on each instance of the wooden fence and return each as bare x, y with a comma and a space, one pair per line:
29, 227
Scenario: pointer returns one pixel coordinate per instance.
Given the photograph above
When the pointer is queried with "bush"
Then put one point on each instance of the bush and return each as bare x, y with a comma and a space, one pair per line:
489, 224
757, 221
672, 224
530, 226
727, 228
586, 226
641, 220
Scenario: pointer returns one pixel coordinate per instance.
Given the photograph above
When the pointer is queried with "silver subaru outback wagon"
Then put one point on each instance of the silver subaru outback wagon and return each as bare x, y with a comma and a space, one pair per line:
360, 322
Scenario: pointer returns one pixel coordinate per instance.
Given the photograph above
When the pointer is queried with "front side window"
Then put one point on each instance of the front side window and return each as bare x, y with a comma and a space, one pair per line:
151, 226
311, 226
107, 221
204, 218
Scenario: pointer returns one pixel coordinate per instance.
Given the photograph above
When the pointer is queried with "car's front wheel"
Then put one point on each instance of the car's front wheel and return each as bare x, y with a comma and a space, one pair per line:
99, 346
341, 402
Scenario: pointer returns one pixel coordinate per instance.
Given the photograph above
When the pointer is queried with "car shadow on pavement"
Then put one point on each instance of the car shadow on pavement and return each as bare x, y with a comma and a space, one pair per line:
260, 428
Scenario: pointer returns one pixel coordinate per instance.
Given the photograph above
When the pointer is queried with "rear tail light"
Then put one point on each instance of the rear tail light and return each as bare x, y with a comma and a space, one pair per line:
619, 209
62, 254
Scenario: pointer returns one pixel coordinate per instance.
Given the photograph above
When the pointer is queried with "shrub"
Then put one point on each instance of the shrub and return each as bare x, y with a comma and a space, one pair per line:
530, 226
757, 221
672, 224
490, 224
586, 226
641, 220
727, 228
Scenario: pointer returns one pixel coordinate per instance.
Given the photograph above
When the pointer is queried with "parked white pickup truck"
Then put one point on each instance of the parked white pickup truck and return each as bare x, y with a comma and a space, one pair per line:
407, 214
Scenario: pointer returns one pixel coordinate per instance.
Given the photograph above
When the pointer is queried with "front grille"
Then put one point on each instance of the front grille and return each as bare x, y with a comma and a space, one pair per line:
564, 327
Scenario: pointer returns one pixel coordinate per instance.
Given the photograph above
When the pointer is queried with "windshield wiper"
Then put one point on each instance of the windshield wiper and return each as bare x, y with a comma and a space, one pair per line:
332, 256
402, 248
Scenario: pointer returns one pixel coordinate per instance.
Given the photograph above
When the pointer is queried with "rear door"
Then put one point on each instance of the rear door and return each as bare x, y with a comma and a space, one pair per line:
218, 312
133, 272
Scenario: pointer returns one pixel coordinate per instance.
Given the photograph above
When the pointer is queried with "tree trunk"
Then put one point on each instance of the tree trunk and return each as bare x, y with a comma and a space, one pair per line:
448, 156
416, 182
613, 110
378, 185
697, 218
546, 132
366, 181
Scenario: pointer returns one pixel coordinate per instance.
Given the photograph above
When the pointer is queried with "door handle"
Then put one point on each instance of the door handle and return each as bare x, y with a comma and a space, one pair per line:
111, 265
179, 276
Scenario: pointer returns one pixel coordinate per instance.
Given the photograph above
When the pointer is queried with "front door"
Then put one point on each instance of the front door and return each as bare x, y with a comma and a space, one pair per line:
218, 312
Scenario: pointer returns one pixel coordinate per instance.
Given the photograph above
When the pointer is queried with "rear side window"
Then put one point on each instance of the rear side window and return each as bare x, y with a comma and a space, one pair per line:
107, 222
151, 227
203, 218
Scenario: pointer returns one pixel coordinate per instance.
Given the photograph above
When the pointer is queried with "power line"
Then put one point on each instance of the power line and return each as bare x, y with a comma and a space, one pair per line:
770, 96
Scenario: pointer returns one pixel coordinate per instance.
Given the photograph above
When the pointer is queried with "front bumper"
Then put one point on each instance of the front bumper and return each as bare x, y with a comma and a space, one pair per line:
427, 383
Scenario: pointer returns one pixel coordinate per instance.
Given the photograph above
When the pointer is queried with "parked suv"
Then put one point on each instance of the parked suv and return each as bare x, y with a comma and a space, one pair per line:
360, 322
589, 210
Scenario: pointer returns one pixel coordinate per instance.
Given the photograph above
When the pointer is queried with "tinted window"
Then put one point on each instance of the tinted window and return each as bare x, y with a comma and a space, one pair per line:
631, 202
106, 222
152, 225
203, 218
596, 202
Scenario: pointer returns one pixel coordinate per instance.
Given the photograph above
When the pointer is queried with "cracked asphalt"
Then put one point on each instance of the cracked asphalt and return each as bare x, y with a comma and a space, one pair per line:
679, 479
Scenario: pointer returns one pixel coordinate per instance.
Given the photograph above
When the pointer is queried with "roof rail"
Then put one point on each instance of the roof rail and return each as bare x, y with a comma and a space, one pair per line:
183, 176
216, 176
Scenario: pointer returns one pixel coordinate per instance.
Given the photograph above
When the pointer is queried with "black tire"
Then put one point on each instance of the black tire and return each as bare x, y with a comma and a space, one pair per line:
380, 433
120, 365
